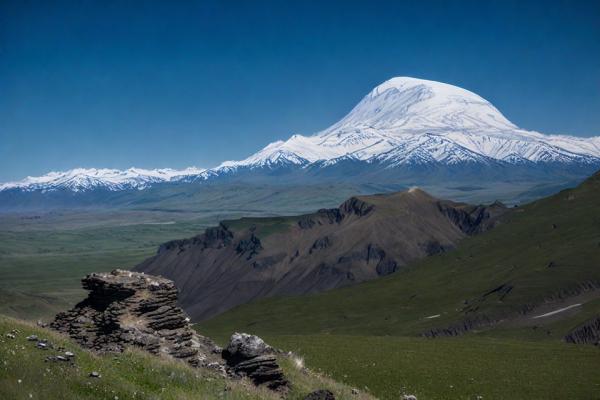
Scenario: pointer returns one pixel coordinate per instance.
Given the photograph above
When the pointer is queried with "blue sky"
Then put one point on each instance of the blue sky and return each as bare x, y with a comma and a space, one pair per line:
173, 84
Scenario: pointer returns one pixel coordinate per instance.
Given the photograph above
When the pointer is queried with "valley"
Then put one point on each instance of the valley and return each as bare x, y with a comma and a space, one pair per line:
44, 253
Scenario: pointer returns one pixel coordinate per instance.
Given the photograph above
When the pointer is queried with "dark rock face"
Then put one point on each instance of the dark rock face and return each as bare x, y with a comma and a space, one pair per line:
320, 243
213, 238
321, 394
356, 206
250, 356
328, 216
472, 219
588, 333
249, 247
127, 308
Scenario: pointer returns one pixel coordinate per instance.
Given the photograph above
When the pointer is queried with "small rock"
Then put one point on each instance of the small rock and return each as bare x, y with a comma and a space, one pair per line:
245, 346
355, 391
10, 335
62, 358
95, 374
249, 355
68, 354
42, 345
41, 323
32, 338
409, 397
321, 394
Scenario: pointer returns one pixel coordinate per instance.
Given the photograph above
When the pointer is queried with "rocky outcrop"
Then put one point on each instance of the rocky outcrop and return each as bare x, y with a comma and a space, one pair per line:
127, 308
356, 206
248, 355
320, 243
215, 237
325, 216
328, 216
249, 247
588, 333
472, 219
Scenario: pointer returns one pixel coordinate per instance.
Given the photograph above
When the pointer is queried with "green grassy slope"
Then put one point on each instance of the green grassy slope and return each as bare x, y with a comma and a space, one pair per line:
544, 251
453, 368
132, 375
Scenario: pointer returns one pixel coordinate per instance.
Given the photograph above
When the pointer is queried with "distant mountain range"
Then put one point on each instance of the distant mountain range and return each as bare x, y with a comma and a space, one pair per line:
405, 131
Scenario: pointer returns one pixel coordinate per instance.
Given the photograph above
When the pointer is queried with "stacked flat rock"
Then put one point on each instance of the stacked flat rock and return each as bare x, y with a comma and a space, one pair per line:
127, 308
248, 355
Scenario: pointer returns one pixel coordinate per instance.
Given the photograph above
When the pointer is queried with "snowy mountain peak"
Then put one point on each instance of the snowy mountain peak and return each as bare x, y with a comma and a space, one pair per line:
402, 122
418, 104
407, 121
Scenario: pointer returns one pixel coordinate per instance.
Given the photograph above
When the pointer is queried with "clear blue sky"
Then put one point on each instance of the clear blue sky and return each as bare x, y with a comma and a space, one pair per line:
156, 84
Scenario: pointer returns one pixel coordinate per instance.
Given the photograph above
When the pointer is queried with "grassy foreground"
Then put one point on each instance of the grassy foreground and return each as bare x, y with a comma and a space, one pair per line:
453, 368
461, 368
131, 375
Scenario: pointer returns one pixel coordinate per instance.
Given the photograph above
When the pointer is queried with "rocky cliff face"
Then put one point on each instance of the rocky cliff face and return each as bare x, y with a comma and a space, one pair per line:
364, 238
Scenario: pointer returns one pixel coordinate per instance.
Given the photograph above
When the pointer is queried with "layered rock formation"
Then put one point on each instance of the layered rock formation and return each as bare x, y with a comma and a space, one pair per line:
126, 308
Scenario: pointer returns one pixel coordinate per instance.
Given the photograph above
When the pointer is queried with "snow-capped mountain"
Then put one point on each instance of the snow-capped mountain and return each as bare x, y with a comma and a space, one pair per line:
407, 121
81, 179
403, 129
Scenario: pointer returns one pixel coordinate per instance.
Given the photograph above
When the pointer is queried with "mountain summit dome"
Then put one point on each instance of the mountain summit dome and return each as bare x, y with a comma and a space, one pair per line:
408, 121
418, 104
